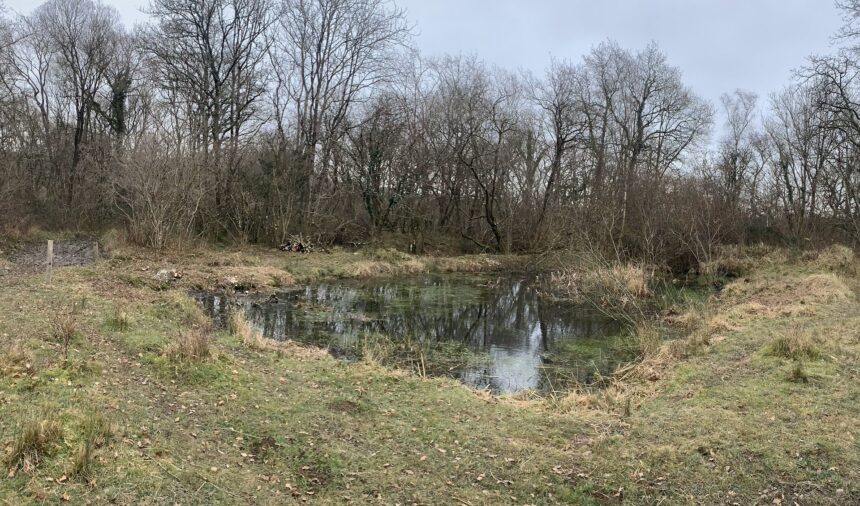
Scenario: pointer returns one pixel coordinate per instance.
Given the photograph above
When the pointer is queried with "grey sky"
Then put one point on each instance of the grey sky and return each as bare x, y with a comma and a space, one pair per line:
719, 44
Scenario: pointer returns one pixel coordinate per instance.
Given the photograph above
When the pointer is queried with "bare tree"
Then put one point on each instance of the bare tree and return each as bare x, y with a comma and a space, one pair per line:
82, 36
803, 145
267, 118
564, 121
329, 55
209, 58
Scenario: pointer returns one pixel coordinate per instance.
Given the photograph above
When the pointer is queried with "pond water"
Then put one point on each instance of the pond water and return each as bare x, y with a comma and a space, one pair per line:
495, 333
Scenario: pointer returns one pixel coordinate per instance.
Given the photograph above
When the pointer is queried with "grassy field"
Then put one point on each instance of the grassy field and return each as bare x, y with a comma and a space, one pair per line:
113, 390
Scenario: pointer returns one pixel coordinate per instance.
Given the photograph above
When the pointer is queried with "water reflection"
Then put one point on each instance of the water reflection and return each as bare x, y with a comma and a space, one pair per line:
503, 319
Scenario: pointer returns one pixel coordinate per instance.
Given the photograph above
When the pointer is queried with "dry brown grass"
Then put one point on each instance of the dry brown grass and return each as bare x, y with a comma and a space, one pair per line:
833, 258
239, 326
769, 297
623, 280
620, 290
299, 350
799, 296
371, 268
97, 431
374, 268
253, 277
466, 264
740, 260
614, 398
796, 344
648, 339
120, 320
15, 359
35, 440
64, 330
375, 350
190, 345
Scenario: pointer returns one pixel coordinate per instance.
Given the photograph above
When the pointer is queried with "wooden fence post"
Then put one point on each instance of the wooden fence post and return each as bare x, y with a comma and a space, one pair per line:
49, 264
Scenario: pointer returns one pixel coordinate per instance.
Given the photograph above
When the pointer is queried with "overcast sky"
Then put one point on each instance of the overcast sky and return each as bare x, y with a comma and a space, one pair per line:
720, 45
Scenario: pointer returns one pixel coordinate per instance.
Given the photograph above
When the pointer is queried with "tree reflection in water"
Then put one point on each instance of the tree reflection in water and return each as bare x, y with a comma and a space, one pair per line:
503, 319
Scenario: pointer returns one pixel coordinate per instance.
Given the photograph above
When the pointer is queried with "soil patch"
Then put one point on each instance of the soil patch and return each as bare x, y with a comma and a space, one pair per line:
66, 253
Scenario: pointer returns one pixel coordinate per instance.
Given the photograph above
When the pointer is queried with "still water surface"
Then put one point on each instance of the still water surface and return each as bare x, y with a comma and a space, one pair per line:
517, 340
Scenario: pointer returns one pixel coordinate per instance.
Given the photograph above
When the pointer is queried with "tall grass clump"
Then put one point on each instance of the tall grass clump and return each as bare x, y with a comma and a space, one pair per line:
64, 330
35, 440
14, 359
190, 345
618, 290
794, 344
833, 258
119, 321
648, 339
96, 431
376, 349
239, 326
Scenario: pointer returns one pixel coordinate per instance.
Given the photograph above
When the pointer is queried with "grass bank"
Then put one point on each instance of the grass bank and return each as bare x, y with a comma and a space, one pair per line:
113, 389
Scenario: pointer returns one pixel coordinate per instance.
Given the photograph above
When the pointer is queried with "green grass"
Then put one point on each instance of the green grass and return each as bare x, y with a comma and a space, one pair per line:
731, 423
248, 426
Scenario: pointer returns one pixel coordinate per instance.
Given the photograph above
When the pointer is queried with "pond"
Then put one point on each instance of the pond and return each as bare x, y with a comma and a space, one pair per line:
493, 333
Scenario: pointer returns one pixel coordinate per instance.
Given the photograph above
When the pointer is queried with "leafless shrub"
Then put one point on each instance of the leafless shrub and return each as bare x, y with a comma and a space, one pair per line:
64, 331
159, 196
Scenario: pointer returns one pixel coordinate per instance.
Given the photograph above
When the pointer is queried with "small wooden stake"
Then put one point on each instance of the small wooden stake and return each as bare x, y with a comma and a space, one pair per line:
49, 265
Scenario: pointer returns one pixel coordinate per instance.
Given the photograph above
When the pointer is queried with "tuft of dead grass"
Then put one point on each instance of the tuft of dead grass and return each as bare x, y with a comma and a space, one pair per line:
617, 289
823, 288
97, 431
35, 441
190, 345
254, 277
799, 297
648, 339
120, 321
613, 398
240, 327
833, 258
370, 268
738, 260
15, 359
64, 330
376, 350
795, 344
466, 264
